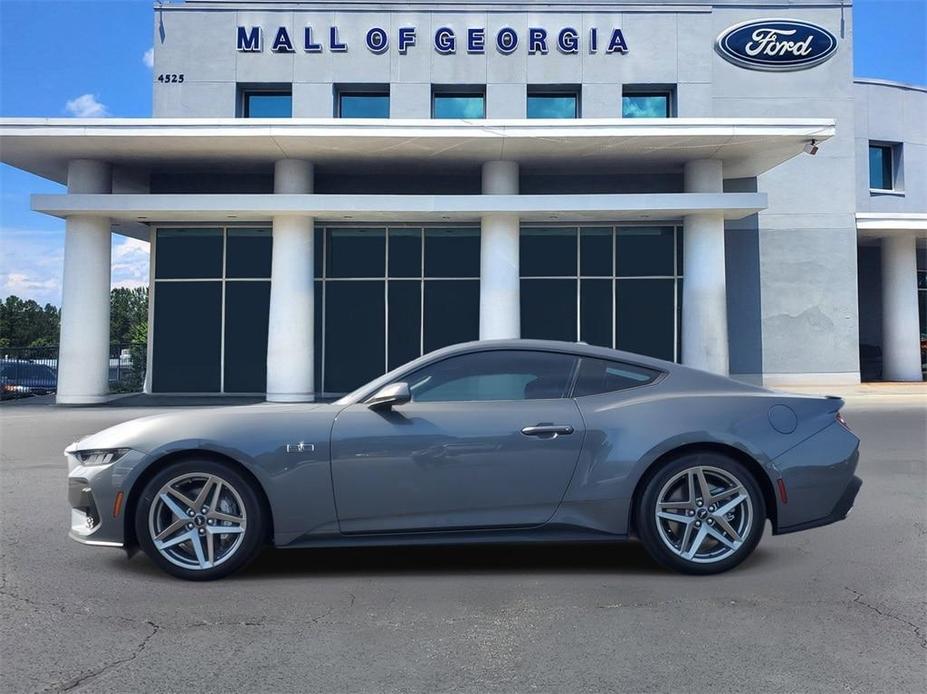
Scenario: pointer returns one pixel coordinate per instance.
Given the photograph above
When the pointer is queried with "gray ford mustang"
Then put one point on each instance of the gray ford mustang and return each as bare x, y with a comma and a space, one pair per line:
499, 441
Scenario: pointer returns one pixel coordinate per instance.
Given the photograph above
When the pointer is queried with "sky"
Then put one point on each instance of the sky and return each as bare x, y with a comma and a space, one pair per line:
92, 58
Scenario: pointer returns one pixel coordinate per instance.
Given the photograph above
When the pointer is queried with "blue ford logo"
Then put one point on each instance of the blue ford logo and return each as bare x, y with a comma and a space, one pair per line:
776, 44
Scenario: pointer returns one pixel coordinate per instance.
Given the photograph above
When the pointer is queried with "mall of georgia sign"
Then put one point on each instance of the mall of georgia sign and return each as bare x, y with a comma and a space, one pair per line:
776, 45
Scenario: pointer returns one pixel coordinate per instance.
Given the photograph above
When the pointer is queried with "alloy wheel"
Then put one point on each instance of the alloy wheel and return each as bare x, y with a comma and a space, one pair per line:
704, 514
197, 521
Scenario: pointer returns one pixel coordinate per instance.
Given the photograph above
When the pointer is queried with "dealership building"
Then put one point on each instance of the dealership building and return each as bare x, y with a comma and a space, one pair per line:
331, 189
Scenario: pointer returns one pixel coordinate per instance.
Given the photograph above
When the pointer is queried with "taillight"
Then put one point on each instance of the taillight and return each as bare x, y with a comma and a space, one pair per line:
843, 422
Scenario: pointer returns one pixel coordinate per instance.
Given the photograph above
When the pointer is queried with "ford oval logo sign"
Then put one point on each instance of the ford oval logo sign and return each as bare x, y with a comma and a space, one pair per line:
776, 44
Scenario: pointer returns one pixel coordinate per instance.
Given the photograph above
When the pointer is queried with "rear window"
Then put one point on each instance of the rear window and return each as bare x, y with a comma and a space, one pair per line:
601, 376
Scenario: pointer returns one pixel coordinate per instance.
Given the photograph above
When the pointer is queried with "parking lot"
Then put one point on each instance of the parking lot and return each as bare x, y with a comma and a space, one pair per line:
840, 608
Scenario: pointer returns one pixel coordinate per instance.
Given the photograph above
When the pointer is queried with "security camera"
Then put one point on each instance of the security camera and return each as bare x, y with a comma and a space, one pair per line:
811, 148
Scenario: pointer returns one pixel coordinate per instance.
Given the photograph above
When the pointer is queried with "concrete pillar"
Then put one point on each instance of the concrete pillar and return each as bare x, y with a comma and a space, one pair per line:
901, 354
500, 303
291, 329
83, 356
704, 295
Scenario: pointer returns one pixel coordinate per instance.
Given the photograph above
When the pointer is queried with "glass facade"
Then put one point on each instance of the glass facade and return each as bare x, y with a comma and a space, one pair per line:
388, 294
211, 307
458, 105
266, 104
363, 105
881, 175
552, 105
615, 286
646, 105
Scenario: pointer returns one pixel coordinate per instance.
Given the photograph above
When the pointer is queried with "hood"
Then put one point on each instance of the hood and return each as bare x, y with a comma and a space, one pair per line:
147, 433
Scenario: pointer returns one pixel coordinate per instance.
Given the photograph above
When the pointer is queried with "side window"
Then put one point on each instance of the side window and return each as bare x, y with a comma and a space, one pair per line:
601, 376
496, 375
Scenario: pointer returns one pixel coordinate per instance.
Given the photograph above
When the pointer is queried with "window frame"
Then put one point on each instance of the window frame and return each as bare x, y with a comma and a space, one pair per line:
362, 90
894, 153
650, 91
565, 395
246, 91
462, 91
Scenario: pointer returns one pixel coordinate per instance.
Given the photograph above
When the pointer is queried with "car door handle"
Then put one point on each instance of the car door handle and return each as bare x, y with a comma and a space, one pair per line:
548, 430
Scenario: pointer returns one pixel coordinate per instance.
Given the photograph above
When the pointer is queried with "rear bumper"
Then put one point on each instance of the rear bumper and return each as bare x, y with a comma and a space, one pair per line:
840, 511
819, 479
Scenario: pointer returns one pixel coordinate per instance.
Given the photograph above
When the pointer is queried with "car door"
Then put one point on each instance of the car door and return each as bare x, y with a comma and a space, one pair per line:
488, 440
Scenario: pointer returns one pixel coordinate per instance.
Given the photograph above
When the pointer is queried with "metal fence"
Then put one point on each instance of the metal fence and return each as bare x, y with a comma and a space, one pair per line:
25, 370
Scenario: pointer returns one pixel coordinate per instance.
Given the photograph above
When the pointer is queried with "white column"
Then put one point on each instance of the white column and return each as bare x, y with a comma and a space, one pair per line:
901, 356
83, 356
704, 295
291, 329
500, 307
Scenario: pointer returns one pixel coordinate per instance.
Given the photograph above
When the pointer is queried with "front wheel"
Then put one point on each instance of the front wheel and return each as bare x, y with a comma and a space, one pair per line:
701, 514
199, 520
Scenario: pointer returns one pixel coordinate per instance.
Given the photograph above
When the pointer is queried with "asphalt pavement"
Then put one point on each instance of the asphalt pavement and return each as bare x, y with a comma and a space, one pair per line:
836, 609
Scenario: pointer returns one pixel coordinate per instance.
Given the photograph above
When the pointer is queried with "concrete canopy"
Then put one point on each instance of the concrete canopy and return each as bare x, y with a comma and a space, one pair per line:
746, 147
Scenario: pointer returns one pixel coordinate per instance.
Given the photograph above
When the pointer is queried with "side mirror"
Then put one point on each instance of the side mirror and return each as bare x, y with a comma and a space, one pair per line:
388, 396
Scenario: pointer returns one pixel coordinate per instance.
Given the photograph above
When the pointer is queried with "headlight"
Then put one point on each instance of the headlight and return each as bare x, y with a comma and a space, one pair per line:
100, 457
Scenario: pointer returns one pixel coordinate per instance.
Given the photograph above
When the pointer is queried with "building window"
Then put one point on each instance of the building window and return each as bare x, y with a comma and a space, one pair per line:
637, 102
266, 102
882, 166
363, 103
553, 103
614, 286
211, 307
386, 295
459, 102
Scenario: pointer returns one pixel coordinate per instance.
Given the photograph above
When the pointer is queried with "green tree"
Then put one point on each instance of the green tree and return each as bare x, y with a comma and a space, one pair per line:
128, 310
26, 324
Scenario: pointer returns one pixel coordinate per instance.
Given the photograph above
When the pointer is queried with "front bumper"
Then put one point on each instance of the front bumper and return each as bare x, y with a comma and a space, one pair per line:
96, 517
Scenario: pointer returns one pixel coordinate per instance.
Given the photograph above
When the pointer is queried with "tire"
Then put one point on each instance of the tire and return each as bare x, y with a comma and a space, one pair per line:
734, 509
197, 545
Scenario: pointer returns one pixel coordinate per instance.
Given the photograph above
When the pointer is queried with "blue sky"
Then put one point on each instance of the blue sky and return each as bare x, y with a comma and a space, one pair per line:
88, 57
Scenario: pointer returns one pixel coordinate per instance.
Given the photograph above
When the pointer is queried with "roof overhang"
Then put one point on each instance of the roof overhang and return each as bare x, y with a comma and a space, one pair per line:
746, 146
147, 208
876, 225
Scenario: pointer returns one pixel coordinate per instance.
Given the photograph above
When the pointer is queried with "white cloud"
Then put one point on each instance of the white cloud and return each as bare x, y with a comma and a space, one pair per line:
148, 58
86, 106
130, 262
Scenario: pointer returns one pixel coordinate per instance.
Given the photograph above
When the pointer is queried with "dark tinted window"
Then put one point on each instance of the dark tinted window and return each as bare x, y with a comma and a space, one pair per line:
405, 253
595, 251
645, 317
247, 306
497, 375
187, 337
547, 252
248, 253
356, 253
601, 376
404, 304
188, 253
452, 252
354, 334
595, 321
452, 312
548, 309
644, 251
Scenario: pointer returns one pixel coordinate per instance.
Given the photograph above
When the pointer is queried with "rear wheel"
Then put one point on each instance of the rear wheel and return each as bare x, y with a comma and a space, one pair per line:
701, 514
199, 520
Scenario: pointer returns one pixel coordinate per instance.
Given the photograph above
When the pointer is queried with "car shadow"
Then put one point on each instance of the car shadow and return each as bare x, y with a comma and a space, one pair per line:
619, 559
